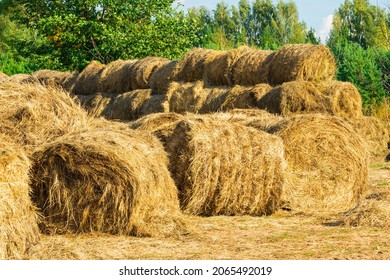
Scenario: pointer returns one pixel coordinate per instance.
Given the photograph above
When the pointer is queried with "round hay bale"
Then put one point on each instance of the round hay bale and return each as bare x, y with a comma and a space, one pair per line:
88, 80
3, 77
191, 67
22, 78
374, 211
218, 66
303, 62
68, 82
127, 106
327, 163
94, 104
295, 98
51, 77
33, 114
245, 97
185, 97
18, 217
224, 168
154, 104
106, 179
142, 69
116, 77
215, 97
345, 99
160, 80
249, 68
375, 134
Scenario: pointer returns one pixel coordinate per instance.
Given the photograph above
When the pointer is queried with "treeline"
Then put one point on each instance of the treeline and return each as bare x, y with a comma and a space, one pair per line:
67, 35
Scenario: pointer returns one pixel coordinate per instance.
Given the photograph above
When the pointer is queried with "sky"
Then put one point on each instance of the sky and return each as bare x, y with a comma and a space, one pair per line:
315, 13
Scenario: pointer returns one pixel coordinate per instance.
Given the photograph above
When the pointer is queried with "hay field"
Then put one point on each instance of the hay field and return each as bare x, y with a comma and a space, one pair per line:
207, 157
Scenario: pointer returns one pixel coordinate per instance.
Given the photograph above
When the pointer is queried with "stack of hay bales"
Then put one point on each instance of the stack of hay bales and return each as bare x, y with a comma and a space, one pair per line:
18, 218
115, 77
327, 163
160, 79
87, 82
106, 179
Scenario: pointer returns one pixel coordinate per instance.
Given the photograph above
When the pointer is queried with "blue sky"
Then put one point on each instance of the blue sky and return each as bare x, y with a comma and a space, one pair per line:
316, 13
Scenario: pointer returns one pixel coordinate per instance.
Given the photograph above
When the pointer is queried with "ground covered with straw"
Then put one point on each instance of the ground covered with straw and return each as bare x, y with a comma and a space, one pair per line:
284, 235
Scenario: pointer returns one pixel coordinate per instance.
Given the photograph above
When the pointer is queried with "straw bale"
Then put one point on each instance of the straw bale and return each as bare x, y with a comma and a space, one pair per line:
218, 66
245, 97
185, 97
192, 65
249, 69
327, 163
345, 99
69, 81
374, 211
215, 97
88, 80
116, 77
21, 78
142, 69
107, 179
295, 97
53, 78
94, 104
161, 78
18, 218
154, 104
375, 134
33, 114
3, 77
127, 106
303, 62
224, 168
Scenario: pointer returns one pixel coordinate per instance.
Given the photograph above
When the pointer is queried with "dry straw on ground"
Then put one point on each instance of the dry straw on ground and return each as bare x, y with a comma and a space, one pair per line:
375, 134
218, 65
224, 168
161, 78
185, 97
374, 211
345, 99
245, 97
142, 70
18, 217
327, 163
304, 62
250, 68
192, 65
108, 179
33, 114
295, 97
116, 77
88, 80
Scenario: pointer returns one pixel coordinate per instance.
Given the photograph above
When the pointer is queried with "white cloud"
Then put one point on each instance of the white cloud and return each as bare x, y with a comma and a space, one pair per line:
326, 27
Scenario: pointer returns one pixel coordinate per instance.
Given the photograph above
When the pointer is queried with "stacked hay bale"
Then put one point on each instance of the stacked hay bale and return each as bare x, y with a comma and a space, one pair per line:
327, 163
94, 104
53, 78
294, 98
160, 79
245, 97
87, 82
224, 168
251, 68
107, 179
33, 114
142, 69
18, 218
3, 77
301, 62
21, 78
116, 77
